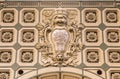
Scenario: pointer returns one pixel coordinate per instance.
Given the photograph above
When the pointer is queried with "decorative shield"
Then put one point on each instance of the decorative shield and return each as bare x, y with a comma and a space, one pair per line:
60, 37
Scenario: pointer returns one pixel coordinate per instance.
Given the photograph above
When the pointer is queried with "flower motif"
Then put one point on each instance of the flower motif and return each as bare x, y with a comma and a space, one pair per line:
92, 57
91, 17
116, 75
7, 37
113, 37
8, 17
27, 56
29, 17
28, 37
5, 57
4, 75
92, 37
114, 57
111, 17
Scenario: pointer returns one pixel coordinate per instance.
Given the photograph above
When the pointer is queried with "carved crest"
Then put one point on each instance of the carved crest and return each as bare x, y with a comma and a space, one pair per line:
59, 37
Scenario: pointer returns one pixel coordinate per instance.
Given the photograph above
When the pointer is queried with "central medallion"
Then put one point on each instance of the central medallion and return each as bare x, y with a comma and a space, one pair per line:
59, 37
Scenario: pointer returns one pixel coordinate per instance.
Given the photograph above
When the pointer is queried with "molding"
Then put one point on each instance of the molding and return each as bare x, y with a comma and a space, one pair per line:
97, 36
117, 17
94, 13
117, 30
35, 16
13, 56
15, 17
30, 62
98, 61
9, 70
115, 62
13, 37
33, 37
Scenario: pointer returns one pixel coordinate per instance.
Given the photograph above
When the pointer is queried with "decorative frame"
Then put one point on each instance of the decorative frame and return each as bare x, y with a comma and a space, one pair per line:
94, 13
114, 36
97, 37
113, 10
34, 56
14, 36
15, 17
35, 16
100, 56
34, 36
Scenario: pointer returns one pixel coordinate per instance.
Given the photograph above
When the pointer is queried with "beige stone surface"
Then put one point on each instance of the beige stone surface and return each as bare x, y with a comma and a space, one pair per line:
60, 39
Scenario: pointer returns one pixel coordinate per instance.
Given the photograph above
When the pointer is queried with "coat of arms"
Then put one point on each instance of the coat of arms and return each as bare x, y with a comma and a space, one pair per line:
59, 37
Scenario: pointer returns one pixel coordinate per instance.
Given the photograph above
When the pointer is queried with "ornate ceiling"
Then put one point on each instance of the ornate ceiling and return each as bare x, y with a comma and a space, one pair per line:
59, 40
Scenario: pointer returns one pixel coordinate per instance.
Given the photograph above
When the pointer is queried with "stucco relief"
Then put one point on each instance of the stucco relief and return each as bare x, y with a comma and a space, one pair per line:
59, 37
